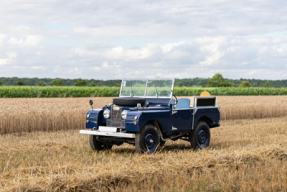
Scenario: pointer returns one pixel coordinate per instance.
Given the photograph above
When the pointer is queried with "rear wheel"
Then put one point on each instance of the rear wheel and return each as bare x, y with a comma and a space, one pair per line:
98, 145
147, 140
200, 136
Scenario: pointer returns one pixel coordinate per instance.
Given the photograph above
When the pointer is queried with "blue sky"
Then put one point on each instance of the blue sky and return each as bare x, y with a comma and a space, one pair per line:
120, 39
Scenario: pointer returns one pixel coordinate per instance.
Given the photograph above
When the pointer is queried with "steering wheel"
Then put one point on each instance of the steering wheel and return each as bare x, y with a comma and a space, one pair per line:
164, 93
167, 93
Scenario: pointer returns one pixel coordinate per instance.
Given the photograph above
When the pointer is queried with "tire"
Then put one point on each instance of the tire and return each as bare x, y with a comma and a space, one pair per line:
200, 136
97, 145
128, 101
148, 140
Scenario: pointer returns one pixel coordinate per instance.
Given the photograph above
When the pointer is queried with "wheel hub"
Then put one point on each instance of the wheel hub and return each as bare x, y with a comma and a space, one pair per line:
201, 136
149, 140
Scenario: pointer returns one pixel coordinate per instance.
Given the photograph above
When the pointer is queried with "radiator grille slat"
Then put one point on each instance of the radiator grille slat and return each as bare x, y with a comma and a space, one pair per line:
116, 118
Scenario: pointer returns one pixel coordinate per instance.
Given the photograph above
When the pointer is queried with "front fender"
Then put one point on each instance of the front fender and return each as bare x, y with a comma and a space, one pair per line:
95, 118
136, 125
132, 124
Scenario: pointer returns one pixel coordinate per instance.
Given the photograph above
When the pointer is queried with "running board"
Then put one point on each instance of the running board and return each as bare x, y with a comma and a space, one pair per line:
109, 134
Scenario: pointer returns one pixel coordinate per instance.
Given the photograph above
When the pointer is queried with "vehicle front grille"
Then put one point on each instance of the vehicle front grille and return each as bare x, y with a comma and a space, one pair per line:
116, 118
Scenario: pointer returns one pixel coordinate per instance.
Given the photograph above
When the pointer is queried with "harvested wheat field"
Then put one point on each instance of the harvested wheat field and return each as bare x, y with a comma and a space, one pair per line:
247, 153
244, 155
53, 114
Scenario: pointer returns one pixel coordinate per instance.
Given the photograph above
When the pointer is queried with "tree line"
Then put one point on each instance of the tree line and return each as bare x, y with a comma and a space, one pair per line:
15, 81
216, 81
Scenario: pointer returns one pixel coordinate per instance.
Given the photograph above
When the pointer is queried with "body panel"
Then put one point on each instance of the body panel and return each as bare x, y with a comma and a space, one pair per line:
161, 116
182, 119
95, 118
210, 112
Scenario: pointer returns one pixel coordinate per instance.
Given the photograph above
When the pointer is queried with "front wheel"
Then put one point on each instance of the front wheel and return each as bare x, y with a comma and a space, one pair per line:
97, 145
200, 136
147, 140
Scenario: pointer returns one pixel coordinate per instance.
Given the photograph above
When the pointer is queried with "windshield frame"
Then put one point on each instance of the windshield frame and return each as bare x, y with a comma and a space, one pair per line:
147, 79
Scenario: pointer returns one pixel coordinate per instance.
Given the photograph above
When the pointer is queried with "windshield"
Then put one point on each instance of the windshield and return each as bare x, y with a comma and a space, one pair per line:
147, 88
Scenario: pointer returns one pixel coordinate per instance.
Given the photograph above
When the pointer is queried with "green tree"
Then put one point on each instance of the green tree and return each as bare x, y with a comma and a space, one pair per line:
92, 84
218, 81
58, 82
267, 84
41, 83
20, 83
1, 83
81, 82
245, 84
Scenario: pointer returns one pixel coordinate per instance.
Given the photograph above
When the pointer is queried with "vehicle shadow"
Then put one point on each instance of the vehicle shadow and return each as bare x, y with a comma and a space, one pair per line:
165, 148
124, 150
174, 147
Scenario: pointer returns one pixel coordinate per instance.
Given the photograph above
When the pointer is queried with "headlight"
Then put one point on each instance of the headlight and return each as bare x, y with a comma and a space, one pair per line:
107, 113
124, 114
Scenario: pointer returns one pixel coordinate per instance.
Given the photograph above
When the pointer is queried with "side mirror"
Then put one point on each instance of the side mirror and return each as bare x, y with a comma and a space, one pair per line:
119, 91
146, 104
91, 103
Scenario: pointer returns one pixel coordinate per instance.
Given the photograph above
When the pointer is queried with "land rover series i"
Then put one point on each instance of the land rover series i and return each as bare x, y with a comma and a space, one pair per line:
147, 114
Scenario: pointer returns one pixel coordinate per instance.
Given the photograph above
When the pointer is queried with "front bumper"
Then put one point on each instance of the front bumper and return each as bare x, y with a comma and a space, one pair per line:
109, 132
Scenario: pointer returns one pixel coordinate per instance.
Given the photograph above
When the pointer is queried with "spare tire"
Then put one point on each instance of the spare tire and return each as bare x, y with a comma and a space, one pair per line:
128, 101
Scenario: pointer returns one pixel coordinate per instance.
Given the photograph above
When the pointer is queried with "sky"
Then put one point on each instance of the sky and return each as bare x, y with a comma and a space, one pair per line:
95, 39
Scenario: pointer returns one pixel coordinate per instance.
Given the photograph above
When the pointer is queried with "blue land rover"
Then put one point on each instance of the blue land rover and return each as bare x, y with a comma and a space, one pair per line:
147, 114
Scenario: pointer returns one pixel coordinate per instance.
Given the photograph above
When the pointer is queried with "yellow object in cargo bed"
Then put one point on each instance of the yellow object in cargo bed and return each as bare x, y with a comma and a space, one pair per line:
204, 93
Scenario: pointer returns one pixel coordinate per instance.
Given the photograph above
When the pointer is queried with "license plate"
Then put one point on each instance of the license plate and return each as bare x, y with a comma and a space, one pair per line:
108, 129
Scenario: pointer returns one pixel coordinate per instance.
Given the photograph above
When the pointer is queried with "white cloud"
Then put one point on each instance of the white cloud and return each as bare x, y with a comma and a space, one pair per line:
2, 38
161, 38
168, 47
178, 54
210, 44
96, 69
57, 69
8, 58
105, 64
3, 61
213, 58
75, 71
37, 67
11, 55
157, 64
30, 40
83, 52
18, 67
114, 65
132, 54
